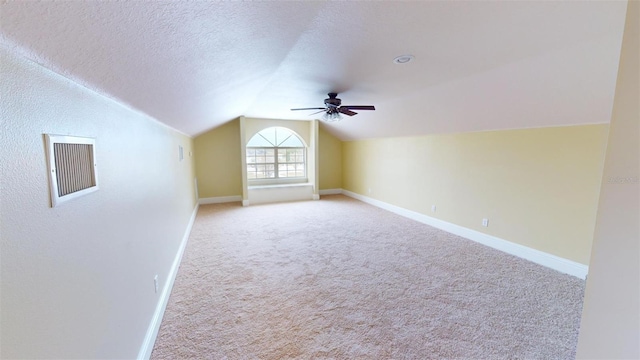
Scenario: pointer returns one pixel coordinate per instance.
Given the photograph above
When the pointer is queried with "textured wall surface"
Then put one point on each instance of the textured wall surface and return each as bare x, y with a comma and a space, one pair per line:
538, 187
611, 318
77, 280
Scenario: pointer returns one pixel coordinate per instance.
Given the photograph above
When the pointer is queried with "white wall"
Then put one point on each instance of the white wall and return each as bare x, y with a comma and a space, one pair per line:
77, 280
610, 326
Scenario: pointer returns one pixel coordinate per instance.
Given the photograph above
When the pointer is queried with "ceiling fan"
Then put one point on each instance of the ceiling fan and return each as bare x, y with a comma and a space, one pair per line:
333, 108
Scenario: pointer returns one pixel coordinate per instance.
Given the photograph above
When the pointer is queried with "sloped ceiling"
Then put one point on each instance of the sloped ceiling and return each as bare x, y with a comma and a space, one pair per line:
196, 65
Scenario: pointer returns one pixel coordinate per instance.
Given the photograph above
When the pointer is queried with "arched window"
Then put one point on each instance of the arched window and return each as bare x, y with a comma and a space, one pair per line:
276, 154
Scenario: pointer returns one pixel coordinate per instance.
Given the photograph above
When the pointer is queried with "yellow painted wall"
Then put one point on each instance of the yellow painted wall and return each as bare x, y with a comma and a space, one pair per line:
610, 325
218, 162
330, 160
218, 159
538, 187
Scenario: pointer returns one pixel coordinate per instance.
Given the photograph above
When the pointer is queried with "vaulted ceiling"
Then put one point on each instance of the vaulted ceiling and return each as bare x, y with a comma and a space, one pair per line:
480, 65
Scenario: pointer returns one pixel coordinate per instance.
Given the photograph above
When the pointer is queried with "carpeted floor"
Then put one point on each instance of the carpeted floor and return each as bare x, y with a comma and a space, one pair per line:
340, 279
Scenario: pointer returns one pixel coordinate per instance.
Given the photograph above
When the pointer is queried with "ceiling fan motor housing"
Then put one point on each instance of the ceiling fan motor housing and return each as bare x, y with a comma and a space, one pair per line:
332, 101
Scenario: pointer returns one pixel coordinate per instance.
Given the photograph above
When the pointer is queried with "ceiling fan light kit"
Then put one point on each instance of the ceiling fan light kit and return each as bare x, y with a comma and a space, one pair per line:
333, 108
331, 117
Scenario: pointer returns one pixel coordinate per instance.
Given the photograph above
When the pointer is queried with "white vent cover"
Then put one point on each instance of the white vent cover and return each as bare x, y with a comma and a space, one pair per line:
73, 171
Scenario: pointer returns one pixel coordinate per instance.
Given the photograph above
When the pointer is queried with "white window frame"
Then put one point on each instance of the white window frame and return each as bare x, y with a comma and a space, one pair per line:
276, 180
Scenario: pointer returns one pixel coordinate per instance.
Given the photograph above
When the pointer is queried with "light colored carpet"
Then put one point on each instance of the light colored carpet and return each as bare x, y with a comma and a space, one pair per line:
340, 279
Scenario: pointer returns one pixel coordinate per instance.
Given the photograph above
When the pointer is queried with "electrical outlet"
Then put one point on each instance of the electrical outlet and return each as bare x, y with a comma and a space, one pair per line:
369, 191
485, 222
433, 208
155, 283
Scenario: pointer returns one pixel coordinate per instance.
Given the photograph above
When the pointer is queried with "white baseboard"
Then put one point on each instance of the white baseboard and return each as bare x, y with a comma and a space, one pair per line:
219, 199
330, 192
154, 326
539, 257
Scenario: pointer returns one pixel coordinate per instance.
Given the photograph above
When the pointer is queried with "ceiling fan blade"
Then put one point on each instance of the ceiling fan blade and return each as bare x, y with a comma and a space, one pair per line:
317, 112
316, 108
359, 107
346, 111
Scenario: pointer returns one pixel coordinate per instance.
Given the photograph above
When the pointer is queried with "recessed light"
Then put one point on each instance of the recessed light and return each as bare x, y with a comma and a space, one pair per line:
403, 59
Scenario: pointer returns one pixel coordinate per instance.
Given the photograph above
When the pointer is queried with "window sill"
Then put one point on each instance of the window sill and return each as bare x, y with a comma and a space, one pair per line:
269, 186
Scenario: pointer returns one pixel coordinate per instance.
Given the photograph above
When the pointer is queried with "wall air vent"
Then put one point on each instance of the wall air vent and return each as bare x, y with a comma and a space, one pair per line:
73, 171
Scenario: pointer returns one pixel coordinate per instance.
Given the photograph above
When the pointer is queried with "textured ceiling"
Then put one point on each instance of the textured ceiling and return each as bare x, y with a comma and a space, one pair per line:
196, 65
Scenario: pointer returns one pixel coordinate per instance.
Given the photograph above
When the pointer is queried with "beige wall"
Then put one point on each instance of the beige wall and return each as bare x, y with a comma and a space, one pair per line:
218, 162
330, 160
610, 326
218, 159
77, 280
538, 187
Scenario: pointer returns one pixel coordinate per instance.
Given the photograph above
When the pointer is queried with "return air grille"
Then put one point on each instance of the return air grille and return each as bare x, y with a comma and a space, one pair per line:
72, 167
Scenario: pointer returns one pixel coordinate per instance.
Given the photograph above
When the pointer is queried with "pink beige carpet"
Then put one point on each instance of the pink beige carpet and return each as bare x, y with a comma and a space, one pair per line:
340, 279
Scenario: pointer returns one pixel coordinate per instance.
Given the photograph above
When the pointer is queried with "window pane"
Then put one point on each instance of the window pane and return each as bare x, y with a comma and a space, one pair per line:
291, 141
266, 137
265, 160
